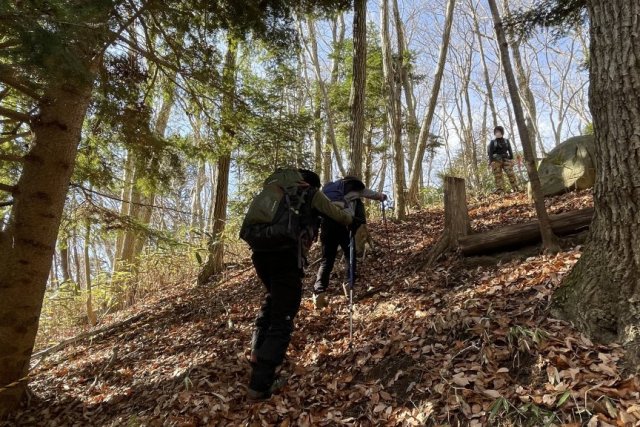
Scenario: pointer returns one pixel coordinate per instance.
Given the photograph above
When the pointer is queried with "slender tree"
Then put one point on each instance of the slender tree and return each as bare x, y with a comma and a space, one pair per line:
215, 261
393, 91
358, 88
425, 129
549, 240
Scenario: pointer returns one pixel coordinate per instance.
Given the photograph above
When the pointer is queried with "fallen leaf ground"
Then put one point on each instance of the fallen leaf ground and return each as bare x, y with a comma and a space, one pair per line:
455, 345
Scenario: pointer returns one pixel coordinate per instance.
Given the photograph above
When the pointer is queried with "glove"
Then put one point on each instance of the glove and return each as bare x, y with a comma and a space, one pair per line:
384, 197
497, 157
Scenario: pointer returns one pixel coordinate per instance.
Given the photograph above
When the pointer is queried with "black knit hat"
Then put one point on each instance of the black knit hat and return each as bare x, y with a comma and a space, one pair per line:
498, 129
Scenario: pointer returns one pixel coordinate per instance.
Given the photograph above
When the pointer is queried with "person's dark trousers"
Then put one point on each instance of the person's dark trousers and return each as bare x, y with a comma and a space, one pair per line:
332, 236
282, 279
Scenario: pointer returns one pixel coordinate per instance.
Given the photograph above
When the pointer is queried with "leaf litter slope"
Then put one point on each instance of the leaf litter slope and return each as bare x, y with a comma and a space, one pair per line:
455, 345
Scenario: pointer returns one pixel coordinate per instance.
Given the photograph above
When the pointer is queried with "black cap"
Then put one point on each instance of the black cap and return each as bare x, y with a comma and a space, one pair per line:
353, 183
310, 178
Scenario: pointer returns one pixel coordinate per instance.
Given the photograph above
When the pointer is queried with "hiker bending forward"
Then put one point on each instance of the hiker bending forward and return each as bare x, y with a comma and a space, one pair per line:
280, 226
501, 159
346, 194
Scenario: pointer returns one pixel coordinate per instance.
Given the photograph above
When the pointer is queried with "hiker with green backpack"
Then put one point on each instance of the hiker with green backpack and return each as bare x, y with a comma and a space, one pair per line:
280, 226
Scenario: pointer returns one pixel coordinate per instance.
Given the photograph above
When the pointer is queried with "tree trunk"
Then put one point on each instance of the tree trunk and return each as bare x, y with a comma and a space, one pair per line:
393, 90
358, 88
368, 169
549, 240
215, 261
313, 53
28, 243
602, 293
456, 219
147, 201
425, 129
91, 315
485, 69
524, 84
412, 127
125, 196
317, 134
64, 261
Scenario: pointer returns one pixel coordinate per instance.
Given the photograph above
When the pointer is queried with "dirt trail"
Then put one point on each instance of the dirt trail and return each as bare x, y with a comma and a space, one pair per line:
456, 345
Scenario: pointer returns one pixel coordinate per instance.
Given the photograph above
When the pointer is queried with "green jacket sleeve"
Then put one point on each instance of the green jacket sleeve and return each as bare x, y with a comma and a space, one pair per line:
323, 205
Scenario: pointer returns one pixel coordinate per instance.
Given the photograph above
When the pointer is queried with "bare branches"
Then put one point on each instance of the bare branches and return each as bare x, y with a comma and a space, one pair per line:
14, 115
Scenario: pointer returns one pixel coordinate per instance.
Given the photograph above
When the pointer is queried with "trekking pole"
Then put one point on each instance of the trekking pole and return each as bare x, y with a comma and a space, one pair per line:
384, 223
352, 282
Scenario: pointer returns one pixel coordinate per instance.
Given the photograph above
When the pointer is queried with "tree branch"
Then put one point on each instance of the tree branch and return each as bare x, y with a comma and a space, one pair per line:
6, 203
7, 188
13, 136
11, 158
15, 115
8, 77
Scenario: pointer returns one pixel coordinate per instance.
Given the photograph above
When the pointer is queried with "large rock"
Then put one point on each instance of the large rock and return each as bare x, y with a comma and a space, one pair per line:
570, 166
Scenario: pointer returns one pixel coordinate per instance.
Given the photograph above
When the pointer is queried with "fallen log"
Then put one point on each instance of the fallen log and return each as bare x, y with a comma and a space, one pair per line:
518, 235
89, 334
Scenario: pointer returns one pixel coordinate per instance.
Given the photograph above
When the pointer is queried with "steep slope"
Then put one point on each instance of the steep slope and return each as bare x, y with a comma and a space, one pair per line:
456, 345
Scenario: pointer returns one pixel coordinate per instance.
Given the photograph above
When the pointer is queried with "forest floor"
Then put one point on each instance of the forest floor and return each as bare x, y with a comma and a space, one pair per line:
460, 344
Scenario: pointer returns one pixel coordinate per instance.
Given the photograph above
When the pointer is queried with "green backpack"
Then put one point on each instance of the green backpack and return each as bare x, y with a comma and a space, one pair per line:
279, 217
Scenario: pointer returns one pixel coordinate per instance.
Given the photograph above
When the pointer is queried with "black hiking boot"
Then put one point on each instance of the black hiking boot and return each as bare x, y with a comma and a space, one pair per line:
277, 385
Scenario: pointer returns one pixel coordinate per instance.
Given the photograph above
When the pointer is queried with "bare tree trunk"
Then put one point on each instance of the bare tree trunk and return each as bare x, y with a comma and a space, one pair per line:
91, 315
549, 240
524, 84
393, 90
358, 87
368, 172
313, 53
425, 129
28, 243
215, 261
485, 69
317, 134
147, 201
412, 127
64, 261
602, 293
125, 196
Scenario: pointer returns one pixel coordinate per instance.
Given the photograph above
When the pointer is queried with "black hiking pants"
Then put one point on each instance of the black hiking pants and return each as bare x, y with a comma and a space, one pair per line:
282, 278
332, 236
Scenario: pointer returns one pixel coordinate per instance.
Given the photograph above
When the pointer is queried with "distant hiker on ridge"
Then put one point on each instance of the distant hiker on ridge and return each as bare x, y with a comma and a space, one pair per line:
501, 159
346, 194
280, 226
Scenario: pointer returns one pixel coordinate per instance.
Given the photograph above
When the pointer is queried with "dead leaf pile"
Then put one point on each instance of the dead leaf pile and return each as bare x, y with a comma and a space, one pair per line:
448, 346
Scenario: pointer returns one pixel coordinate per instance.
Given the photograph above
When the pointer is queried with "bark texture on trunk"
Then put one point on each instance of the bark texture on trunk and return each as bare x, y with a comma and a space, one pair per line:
29, 240
215, 260
358, 88
602, 293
